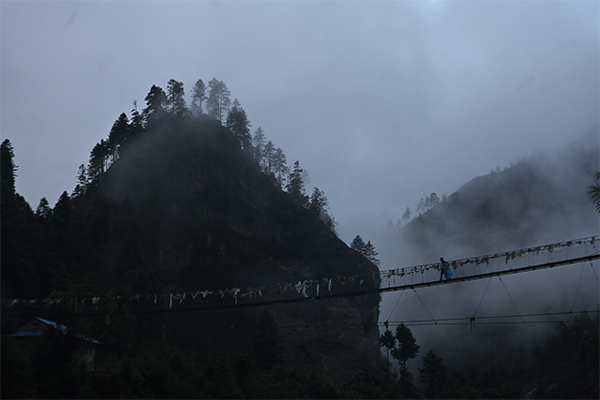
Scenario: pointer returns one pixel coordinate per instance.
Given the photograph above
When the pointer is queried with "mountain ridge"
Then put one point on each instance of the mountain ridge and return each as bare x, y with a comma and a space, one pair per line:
541, 199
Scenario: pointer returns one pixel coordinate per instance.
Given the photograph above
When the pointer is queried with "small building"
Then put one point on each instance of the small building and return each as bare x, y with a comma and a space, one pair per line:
86, 351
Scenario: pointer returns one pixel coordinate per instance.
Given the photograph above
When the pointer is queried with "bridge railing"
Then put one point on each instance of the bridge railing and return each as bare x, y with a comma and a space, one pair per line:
501, 263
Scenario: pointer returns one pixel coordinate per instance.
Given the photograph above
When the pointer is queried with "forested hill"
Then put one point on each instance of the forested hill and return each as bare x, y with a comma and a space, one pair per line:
179, 200
542, 199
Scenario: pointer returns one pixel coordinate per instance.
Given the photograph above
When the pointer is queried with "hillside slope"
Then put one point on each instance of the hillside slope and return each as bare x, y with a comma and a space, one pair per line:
186, 209
539, 200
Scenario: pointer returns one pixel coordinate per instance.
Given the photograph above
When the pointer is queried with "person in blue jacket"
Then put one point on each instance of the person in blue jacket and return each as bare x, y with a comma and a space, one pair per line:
445, 269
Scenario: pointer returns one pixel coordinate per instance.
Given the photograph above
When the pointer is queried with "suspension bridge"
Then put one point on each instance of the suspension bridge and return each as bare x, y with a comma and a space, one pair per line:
567, 253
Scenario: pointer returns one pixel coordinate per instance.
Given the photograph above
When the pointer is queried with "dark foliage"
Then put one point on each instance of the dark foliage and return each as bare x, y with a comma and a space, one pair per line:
171, 200
173, 197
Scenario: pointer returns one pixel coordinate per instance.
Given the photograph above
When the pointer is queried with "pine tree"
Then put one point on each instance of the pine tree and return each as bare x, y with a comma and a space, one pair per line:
43, 210
280, 168
318, 202
431, 201
370, 253
198, 97
98, 160
433, 374
136, 126
117, 137
16, 239
176, 98
406, 349
406, 216
156, 103
295, 186
218, 102
358, 244
421, 207
238, 124
267, 158
8, 169
387, 340
62, 256
366, 249
259, 141
82, 181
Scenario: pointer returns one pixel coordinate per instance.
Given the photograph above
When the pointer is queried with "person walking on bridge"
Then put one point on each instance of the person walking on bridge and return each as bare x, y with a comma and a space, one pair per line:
445, 269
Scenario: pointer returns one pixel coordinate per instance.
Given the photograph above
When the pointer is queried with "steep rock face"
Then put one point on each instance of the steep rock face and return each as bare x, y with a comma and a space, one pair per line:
329, 336
185, 209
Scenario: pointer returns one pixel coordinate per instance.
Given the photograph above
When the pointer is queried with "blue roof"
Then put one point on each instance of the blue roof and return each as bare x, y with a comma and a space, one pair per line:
59, 327
63, 329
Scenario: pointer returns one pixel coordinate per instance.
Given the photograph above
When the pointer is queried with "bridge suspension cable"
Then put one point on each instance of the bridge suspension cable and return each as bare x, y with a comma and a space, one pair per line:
474, 268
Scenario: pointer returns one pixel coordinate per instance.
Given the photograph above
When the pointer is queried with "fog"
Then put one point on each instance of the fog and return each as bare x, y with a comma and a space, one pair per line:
381, 102
547, 203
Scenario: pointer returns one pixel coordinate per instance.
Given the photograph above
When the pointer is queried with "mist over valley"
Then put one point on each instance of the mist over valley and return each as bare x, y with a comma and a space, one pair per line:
300, 199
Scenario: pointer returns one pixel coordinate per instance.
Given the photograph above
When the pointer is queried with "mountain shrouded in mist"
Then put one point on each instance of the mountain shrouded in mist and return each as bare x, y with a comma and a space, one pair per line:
177, 205
542, 199
179, 209
187, 207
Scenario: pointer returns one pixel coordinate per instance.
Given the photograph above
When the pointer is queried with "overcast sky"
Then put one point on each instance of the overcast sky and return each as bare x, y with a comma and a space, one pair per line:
381, 102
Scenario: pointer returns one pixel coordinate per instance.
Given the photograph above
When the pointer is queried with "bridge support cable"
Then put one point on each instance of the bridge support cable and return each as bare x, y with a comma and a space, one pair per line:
510, 298
594, 271
395, 305
335, 295
472, 318
578, 286
259, 302
528, 268
426, 309
535, 318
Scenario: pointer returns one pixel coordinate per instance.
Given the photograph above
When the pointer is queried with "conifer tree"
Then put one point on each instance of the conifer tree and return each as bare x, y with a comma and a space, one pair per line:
8, 168
358, 244
370, 253
82, 181
176, 98
43, 210
431, 201
137, 123
16, 239
198, 97
280, 168
433, 374
117, 137
387, 340
318, 202
238, 124
421, 207
258, 141
156, 102
218, 101
98, 160
295, 186
63, 251
407, 348
366, 249
406, 216
267, 158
